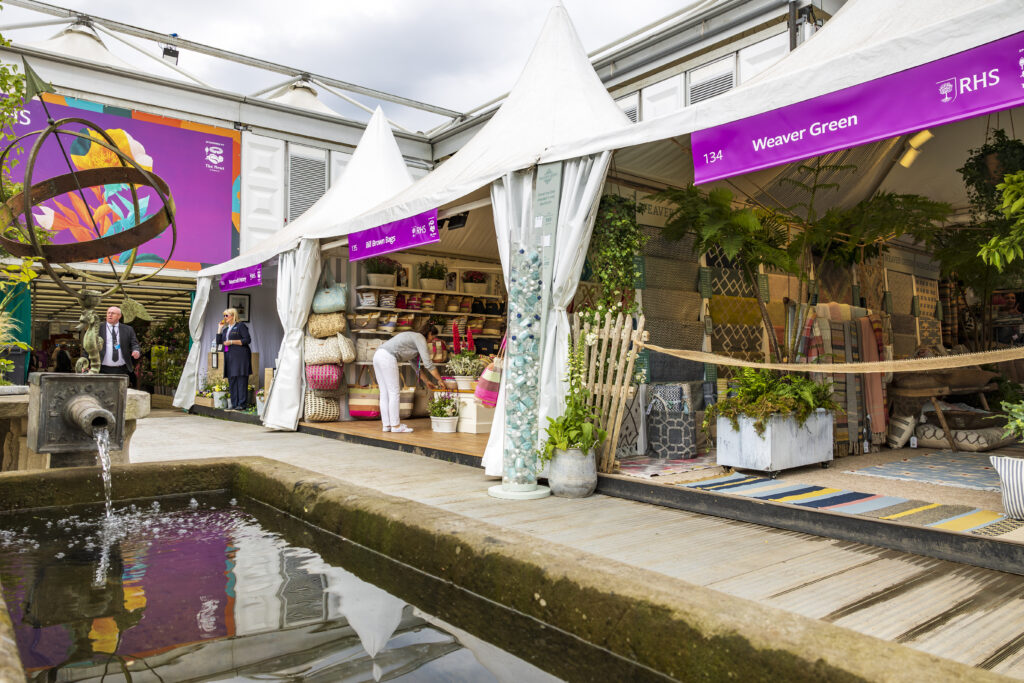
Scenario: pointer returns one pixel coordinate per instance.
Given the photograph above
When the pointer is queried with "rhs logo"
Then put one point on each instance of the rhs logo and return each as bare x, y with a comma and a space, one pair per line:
946, 88
950, 88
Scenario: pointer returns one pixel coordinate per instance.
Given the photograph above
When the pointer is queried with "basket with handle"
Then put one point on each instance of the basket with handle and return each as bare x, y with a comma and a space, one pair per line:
317, 408
364, 399
332, 296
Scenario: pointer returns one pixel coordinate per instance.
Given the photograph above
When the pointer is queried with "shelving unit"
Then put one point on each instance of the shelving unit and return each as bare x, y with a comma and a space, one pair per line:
418, 311
418, 290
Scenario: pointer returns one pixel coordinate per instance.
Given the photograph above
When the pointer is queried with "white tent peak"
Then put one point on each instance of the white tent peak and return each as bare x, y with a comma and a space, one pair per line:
81, 42
375, 172
301, 95
558, 97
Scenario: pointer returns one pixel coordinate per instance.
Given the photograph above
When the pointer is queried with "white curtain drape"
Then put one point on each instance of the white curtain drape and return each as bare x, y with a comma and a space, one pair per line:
512, 205
297, 277
185, 394
582, 180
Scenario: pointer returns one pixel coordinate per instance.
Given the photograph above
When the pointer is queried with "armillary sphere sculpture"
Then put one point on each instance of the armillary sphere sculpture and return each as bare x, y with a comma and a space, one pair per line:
18, 235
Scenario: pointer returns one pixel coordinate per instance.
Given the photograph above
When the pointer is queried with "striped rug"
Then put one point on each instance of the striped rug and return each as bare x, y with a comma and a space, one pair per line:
961, 518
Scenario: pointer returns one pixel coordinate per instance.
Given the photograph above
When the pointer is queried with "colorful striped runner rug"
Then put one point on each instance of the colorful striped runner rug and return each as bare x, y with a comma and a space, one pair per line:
960, 518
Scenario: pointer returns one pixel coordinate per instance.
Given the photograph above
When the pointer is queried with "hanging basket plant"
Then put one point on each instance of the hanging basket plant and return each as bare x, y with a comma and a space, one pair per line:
616, 243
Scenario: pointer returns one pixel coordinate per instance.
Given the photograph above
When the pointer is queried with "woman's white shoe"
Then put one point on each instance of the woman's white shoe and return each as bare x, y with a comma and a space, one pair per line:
401, 429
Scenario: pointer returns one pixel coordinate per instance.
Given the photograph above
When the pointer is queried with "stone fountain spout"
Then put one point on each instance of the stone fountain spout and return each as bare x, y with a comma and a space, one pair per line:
85, 412
65, 412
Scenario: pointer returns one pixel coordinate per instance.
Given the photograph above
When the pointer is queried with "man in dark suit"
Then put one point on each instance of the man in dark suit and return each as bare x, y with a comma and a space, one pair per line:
119, 347
237, 357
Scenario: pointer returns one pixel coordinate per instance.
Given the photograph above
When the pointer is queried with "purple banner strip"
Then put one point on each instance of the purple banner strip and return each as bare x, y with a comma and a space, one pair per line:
240, 279
978, 81
384, 239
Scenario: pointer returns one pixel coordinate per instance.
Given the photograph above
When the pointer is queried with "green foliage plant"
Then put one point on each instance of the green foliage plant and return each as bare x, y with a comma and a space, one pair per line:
432, 270
1014, 420
465, 364
443, 404
615, 243
750, 239
759, 394
381, 265
577, 426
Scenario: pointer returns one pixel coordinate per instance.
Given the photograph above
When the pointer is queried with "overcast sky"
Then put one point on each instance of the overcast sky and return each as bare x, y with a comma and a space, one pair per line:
454, 53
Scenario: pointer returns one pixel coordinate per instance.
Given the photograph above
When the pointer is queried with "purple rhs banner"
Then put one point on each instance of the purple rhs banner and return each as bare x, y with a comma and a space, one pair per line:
384, 239
240, 279
981, 80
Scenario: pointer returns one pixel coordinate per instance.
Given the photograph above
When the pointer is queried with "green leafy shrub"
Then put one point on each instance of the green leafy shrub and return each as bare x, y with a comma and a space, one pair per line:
615, 244
759, 394
577, 426
432, 270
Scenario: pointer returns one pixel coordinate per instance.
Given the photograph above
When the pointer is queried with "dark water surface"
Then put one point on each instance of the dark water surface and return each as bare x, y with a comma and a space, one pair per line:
201, 589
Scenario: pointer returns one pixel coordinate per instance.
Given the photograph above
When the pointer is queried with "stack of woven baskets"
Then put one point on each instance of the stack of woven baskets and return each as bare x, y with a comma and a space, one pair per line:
326, 349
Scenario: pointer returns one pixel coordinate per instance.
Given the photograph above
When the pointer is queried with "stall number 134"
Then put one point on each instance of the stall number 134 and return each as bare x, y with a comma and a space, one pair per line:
712, 157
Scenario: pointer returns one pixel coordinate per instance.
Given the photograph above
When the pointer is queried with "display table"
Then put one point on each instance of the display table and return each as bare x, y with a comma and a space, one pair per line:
933, 394
14, 428
474, 417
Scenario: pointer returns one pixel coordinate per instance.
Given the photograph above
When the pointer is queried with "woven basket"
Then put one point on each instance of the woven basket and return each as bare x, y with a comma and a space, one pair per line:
365, 321
364, 400
368, 297
365, 348
321, 351
323, 377
322, 325
321, 409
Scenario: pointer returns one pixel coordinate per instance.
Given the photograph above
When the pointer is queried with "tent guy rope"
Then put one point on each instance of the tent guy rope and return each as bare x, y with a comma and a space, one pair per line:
949, 362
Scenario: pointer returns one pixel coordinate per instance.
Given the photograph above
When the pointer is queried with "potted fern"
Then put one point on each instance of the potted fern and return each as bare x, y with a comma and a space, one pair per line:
573, 437
772, 422
432, 275
381, 271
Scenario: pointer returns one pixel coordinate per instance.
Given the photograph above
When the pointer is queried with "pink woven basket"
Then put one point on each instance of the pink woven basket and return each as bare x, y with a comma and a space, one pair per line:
323, 377
487, 386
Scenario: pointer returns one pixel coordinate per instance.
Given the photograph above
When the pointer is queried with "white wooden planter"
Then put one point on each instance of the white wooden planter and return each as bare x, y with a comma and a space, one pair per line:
783, 445
444, 424
474, 417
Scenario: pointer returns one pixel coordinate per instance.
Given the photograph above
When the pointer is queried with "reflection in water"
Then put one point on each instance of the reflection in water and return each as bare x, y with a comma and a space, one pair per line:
202, 592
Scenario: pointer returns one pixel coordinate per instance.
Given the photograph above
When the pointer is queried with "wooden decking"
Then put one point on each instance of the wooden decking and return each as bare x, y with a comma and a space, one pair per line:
421, 437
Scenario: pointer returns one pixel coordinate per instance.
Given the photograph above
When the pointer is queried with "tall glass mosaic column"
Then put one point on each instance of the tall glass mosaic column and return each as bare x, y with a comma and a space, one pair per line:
529, 288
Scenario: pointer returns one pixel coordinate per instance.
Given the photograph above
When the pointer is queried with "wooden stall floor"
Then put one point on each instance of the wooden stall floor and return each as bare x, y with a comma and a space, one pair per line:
422, 436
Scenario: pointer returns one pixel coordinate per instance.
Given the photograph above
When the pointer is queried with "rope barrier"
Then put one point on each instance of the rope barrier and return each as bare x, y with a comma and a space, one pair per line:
961, 360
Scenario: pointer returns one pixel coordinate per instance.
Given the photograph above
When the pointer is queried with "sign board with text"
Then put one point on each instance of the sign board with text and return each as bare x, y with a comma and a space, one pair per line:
395, 236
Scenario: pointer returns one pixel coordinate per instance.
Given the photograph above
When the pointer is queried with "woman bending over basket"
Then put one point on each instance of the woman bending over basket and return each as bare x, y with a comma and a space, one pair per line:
401, 348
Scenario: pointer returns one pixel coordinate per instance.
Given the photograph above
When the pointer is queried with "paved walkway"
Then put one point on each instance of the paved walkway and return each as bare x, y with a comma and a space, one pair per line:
972, 615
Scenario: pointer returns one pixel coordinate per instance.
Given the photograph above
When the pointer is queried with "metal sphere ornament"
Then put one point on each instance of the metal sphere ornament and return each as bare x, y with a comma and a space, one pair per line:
19, 236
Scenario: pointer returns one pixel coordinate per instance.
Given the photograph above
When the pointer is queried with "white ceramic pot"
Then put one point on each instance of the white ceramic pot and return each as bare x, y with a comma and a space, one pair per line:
464, 382
444, 424
474, 287
220, 400
572, 473
432, 285
261, 404
381, 279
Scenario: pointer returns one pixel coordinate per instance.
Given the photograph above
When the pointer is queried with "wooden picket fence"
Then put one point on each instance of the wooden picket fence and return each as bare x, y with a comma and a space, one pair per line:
609, 379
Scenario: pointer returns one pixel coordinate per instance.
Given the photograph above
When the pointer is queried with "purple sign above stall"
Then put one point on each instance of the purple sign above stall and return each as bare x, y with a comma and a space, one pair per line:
978, 81
240, 279
395, 236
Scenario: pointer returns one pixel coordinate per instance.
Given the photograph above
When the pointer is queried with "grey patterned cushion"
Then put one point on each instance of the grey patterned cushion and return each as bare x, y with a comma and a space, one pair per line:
900, 431
969, 440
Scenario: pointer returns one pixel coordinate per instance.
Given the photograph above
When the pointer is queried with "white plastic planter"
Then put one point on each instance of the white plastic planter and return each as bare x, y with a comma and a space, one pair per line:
220, 400
446, 425
784, 444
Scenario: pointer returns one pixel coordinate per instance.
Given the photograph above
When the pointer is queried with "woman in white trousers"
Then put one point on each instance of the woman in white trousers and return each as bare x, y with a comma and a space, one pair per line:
402, 347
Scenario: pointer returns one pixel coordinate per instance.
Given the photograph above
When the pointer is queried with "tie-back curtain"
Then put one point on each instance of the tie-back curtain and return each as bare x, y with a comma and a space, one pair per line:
185, 395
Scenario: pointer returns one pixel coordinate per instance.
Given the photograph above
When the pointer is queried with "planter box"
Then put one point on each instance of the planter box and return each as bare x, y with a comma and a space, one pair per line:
783, 446
474, 287
474, 418
432, 285
381, 279
204, 401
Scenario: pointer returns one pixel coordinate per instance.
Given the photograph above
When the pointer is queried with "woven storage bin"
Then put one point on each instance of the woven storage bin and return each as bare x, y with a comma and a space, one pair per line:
323, 377
368, 297
322, 325
388, 300
406, 402
365, 348
364, 399
320, 408
454, 304
365, 321
321, 351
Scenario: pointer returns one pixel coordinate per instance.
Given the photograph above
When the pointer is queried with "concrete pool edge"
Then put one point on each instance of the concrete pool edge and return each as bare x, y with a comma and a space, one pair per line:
661, 622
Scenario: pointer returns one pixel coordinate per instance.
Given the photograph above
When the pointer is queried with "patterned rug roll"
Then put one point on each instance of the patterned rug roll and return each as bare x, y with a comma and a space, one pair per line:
931, 332
904, 324
735, 310
927, 296
902, 287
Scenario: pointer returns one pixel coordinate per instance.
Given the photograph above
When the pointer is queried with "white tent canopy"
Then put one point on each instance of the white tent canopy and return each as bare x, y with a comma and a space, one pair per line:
375, 172
866, 40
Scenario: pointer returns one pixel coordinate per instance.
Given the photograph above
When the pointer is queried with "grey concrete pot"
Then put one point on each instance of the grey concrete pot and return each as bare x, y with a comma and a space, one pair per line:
572, 473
